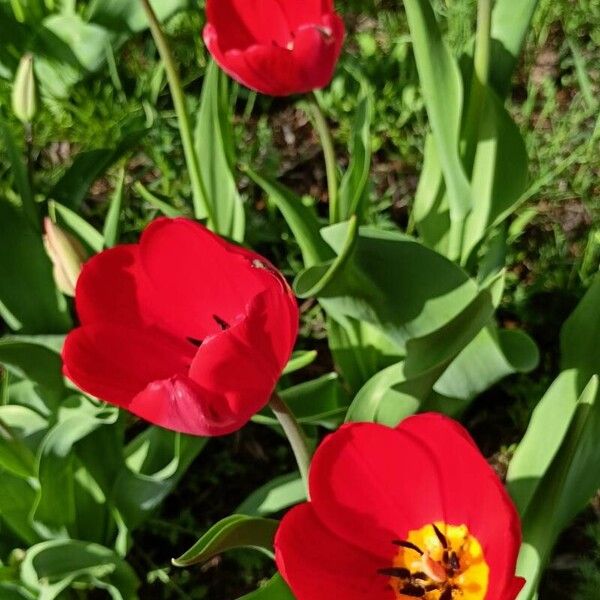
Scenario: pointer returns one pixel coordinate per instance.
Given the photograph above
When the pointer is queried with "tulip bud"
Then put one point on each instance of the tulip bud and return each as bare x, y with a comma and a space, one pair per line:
67, 255
24, 92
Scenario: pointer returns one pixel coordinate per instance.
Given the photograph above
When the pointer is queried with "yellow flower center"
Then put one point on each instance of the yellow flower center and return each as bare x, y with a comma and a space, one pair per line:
439, 562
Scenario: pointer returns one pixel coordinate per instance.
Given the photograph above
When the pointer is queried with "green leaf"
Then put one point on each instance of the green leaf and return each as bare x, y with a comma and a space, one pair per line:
36, 362
401, 389
353, 186
580, 334
359, 349
491, 356
111, 224
127, 16
10, 591
280, 493
29, 301
299, 360
16, 500
72, 188
275, 589
311, 282
556, 469
164, 207
21, 177
235, 531
79, 226
510, 25
213, 137
320, 401
20, 431
442, 89
394, 283
55, 507
301, 219
156, 461
51, 567
67, 49
430, 210
500, 172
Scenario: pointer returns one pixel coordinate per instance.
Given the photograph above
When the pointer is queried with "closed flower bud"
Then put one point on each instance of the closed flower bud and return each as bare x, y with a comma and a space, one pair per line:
24, 93
67, 256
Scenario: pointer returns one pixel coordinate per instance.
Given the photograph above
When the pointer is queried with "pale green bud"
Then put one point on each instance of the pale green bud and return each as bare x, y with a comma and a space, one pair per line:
24, 92
67, 255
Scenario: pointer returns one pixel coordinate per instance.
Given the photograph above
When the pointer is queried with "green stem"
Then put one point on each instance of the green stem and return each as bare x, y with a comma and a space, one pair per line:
294, 434
479, 80
201, 204
329, 154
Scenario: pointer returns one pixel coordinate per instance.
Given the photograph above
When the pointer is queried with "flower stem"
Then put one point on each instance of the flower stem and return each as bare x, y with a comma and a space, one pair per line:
294, 434
201, 205
329, 154
479, 81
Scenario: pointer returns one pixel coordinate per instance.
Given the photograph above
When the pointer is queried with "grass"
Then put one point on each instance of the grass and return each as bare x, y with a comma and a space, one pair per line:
554, 237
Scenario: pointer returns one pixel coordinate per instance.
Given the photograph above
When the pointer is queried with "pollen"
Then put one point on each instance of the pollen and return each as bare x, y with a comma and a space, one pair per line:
439, 562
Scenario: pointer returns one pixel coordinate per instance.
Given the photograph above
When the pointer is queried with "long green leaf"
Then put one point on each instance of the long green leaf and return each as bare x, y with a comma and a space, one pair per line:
510, 24
236, 531
213, 136
29, 301
442, 89
275, 589
300, 218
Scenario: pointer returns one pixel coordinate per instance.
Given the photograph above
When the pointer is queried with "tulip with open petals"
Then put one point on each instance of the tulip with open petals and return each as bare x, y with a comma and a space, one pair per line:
184, 329
276, 47
398, 514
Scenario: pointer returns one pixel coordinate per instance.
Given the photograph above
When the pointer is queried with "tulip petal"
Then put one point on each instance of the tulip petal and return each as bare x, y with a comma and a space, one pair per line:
372, 484
243, 23
317, 564
195, 278
114, 362
305, 12
473, 494
240, 366
119, 302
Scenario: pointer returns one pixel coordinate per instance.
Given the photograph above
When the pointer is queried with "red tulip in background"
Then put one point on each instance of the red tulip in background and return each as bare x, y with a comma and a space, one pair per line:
411, 512
276, 47
184, 329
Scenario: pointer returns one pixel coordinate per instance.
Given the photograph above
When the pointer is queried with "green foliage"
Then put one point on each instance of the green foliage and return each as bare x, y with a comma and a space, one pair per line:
236, 531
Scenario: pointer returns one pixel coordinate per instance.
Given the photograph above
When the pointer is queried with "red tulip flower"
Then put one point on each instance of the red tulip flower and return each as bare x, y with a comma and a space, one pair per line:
276, 47
404, 513
184, 329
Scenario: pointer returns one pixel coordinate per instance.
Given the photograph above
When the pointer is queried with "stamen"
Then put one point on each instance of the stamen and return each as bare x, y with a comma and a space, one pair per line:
446, 594
221, 323
416, 591
440, 536
408, 545
454, 562
399, 572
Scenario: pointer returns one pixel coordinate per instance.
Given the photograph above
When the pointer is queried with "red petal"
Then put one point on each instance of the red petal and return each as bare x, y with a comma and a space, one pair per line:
272, 70
178, 403
472, 495
194, 276
240, 366
371, 484
305, 12
114, 362
242, 23
316, 51
108, 288
316, 564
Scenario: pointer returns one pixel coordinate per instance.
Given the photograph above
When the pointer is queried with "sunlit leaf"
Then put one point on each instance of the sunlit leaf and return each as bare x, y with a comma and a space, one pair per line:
235, 531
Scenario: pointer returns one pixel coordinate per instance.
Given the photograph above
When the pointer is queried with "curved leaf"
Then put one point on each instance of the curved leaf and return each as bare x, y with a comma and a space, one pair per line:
236, 531
212, 140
